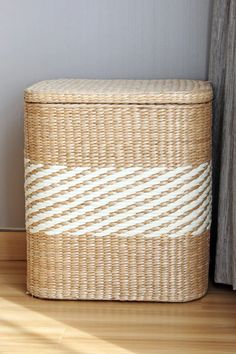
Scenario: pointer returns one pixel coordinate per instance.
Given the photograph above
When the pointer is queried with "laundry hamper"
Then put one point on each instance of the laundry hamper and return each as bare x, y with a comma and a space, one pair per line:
118, 189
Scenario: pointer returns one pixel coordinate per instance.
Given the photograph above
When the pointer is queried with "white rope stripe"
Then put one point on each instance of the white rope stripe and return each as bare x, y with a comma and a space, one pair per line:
87, 218
192, 218
61, 176
114, 208
80, 211
120, 205
82, 193
129, 223
104, 178
41, 174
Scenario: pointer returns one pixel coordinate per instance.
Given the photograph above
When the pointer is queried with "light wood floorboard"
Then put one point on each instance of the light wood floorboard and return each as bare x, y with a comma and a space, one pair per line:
30, 325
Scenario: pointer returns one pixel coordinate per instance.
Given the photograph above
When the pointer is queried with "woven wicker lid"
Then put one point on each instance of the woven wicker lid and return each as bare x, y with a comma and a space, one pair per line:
119, 91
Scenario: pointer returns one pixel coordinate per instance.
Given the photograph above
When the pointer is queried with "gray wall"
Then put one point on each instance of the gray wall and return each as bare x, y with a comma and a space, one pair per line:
44, 39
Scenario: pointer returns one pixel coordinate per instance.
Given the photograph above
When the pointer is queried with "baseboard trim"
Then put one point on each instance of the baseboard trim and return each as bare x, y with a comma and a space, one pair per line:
12, 245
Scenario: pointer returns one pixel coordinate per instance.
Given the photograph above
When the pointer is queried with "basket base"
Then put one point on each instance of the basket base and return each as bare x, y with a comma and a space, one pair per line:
162, 269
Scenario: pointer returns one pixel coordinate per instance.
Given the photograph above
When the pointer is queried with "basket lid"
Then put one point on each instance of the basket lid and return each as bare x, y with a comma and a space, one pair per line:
120, 91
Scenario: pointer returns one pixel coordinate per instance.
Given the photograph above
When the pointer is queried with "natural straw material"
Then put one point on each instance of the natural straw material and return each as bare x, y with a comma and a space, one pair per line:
118, 267
118, 189
120, 91
100, 135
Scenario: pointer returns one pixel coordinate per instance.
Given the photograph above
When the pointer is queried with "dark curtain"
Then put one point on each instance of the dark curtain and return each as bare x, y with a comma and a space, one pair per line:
222, 75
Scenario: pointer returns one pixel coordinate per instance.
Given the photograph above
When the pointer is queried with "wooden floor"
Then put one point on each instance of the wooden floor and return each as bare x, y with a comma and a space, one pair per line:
29, 325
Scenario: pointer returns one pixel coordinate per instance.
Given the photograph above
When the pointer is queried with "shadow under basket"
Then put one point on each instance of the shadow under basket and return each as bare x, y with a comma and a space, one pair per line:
118, 189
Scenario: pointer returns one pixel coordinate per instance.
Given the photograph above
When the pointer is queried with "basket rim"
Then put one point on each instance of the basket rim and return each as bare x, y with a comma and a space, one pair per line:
119, 91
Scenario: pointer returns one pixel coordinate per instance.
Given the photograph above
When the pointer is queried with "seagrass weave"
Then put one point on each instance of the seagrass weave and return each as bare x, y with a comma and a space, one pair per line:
118, 189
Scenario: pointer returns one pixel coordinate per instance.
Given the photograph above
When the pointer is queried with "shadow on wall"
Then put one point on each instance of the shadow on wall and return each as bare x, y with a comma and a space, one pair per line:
11, 155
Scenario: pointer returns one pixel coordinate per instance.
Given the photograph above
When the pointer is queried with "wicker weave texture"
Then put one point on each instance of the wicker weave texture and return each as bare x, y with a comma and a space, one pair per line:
118, 135
118, 190
120, 91
129, 201
118, 267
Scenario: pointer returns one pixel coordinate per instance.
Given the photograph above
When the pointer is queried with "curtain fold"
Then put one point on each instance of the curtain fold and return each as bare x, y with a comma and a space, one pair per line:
222, 74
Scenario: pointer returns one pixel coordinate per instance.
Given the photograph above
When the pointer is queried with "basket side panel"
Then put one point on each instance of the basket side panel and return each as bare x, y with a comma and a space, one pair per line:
118, 267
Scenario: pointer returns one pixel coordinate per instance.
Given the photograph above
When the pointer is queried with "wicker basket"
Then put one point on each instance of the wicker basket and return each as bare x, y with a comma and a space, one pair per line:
118, 189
